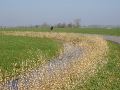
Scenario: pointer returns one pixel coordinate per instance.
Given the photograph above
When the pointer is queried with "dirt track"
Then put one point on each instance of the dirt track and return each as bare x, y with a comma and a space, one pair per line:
112, 38
106, 37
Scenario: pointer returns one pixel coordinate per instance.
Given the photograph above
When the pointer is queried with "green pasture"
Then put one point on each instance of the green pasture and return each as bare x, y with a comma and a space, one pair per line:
18, 53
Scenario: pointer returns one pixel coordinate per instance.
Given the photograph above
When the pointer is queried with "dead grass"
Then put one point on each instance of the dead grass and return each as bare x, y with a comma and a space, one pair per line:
79, 70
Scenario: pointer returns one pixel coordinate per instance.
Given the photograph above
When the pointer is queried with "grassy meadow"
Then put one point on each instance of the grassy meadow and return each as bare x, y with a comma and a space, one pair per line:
103, 31
18, 53
95, 50
22, 50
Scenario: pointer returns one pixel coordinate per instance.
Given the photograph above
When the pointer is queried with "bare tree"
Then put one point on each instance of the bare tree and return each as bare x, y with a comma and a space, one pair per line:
61, 25
70, 25
45, 24
77, 22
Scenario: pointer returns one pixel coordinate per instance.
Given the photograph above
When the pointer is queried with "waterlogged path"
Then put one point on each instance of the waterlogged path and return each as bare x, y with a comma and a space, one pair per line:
44, 74
106, 37
38, 77
112, 38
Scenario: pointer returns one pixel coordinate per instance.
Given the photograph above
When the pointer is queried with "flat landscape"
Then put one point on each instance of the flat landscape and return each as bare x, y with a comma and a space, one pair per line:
59, 44
100, 31
64, 59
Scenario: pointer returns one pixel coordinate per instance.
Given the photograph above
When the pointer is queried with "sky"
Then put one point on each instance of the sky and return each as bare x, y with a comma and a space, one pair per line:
35, 12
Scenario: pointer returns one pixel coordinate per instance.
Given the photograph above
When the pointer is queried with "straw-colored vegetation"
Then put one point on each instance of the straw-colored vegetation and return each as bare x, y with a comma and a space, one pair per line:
79, 71
107, 77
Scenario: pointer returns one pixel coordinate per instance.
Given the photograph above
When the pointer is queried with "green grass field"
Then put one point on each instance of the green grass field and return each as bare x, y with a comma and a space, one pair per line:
104, 31
108, 77
20, 53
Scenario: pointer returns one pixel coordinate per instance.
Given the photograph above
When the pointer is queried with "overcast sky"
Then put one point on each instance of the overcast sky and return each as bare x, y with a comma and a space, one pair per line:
32, 12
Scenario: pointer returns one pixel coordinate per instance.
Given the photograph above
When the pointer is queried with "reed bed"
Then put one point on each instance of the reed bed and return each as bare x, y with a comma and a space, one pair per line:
78, 71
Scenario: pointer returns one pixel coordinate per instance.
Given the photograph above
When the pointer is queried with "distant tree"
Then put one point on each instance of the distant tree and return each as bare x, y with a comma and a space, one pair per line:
61, 25
36, 26
45, 25
77, 22
70, 25
58, 25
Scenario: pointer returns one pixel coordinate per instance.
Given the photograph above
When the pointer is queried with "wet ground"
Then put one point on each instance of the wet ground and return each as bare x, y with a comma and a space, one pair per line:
38, 76
61, 63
